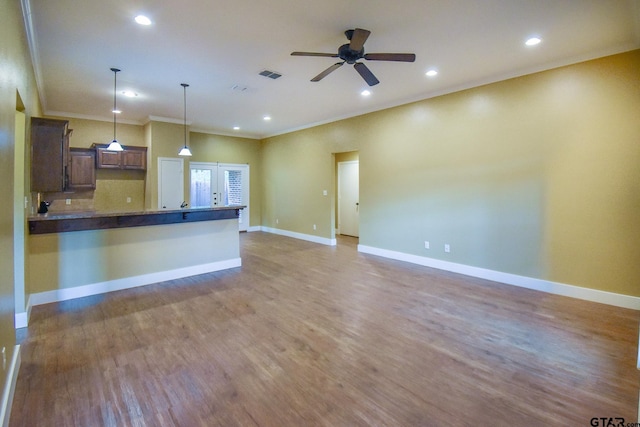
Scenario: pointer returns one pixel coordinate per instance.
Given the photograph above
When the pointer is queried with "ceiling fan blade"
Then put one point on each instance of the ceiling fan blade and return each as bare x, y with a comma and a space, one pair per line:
402, 57
329, 55
358, 38
326, 72
366, 74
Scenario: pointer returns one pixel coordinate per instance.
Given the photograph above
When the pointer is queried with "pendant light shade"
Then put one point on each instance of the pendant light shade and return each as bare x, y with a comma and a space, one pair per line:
114, 145
185, 150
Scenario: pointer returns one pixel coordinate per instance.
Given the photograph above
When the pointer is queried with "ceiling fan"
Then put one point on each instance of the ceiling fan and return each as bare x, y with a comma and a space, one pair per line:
352, 52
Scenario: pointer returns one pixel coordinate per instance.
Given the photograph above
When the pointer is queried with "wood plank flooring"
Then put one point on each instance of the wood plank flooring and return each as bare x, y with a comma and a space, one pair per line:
310, 335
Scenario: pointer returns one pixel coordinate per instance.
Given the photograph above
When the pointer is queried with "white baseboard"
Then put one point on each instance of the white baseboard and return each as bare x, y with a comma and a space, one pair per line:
301, 236
610, 298
254, 228
10, 387
124, 283
22, 318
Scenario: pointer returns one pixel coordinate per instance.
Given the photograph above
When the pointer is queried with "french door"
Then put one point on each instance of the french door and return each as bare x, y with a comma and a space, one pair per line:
221, 184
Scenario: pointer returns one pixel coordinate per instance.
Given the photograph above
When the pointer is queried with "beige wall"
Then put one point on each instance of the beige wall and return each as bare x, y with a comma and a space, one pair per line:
164, 140
536, 176
297, 168
17, 93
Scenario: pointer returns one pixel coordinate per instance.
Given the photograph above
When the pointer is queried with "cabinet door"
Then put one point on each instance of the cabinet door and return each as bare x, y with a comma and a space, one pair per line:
49, 149
108, 159
134, 158
82, 172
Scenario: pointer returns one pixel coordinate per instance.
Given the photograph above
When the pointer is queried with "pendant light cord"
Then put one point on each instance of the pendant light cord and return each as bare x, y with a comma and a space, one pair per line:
185, 86
115, 73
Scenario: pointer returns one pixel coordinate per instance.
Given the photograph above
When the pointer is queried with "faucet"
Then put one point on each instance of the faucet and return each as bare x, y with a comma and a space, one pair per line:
184, 204
44, 207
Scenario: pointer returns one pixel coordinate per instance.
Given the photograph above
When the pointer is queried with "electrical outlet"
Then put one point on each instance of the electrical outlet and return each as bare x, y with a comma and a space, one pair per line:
68, 201
128, 199
324, 192
447, 248
276, 220
314, 226
426, 244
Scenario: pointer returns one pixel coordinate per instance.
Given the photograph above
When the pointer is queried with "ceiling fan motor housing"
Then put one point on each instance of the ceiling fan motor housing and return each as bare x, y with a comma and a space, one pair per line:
350, 56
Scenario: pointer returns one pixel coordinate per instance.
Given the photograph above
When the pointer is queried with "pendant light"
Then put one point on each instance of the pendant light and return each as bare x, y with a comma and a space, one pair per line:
115, 145
185, 150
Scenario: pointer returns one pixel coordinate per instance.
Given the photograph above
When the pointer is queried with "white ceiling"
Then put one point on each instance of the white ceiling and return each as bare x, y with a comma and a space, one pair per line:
216, 45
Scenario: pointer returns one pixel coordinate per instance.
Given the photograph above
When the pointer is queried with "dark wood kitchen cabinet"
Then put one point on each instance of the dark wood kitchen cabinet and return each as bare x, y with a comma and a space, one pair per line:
131, 158
81, 169
49, 154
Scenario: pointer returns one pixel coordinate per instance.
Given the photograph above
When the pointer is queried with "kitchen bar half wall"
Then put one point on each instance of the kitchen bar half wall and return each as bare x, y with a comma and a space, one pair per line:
147, 247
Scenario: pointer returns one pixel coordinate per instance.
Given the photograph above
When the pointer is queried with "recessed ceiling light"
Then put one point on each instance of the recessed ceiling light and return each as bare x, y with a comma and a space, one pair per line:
532, 41
431, 73
143, 20
365, 93
129, 94
236, 128
266, 118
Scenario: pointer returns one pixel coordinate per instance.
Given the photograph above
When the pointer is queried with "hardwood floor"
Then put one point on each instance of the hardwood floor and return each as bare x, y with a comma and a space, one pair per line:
305, 334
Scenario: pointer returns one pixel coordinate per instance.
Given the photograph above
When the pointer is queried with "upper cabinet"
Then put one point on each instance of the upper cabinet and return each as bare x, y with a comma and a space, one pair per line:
131, 158
49, 154
81, 169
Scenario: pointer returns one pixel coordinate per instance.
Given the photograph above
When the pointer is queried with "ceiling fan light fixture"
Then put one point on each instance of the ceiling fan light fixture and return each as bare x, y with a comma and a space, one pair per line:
184, 151
352, 52
114, 145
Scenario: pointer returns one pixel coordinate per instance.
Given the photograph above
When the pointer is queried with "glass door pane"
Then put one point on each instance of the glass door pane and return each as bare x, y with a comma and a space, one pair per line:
201, 188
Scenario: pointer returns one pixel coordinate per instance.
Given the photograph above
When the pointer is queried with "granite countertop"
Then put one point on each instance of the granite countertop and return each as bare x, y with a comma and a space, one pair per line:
57, 222
50, 216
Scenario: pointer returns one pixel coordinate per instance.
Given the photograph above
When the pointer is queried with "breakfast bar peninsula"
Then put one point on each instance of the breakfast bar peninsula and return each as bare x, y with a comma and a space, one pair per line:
86, 253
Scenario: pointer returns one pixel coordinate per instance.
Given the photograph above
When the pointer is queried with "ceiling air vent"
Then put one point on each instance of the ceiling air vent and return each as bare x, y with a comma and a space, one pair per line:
270, 74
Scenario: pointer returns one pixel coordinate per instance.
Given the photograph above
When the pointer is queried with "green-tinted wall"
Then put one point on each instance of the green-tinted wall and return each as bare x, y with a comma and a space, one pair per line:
17, 93
536, 176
